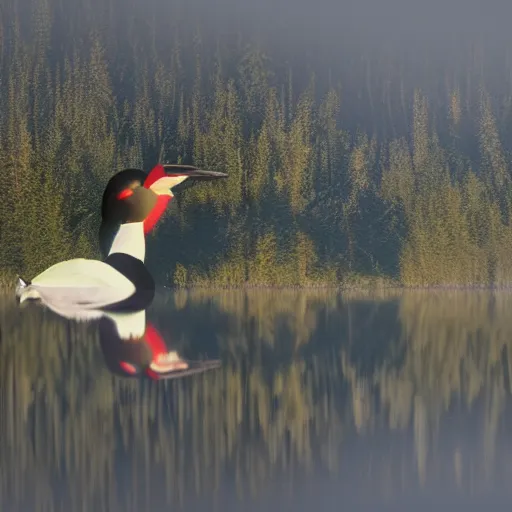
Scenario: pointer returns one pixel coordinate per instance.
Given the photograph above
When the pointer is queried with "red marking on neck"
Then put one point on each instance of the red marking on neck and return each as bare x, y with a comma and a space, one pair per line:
155, 341
155, 214
152, 374
156, 173
127, 192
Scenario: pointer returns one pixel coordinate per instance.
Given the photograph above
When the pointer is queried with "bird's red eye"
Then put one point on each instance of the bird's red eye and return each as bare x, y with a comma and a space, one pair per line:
128, 368
127, 192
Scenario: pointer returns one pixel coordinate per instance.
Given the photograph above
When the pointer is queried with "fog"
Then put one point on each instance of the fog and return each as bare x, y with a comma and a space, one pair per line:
377, 23
324, 35
423, 39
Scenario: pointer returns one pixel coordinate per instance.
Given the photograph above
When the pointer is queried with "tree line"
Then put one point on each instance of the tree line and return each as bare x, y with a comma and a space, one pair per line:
414, 188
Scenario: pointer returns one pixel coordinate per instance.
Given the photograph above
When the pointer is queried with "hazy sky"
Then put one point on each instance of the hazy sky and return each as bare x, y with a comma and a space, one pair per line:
436, 26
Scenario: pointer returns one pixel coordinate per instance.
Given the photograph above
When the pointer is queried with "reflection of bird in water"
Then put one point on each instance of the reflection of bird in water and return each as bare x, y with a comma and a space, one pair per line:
133, 347
132, 204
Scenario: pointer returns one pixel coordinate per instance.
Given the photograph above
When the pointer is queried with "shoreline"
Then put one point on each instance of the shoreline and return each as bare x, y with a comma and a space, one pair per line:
343, 287
366, 285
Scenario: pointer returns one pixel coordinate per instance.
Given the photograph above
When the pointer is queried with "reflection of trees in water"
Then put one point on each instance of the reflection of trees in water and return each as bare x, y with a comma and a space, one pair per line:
455, 347
295, 385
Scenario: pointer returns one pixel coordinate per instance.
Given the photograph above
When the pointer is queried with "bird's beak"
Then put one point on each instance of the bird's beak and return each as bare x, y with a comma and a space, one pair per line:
164, 178
193, 172
194, 367
189, 176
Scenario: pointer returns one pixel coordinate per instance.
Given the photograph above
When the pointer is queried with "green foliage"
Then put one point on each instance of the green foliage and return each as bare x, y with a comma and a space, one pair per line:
180, 276
312, 197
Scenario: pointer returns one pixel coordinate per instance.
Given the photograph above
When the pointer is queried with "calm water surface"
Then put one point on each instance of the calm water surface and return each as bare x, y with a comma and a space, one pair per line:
324, 401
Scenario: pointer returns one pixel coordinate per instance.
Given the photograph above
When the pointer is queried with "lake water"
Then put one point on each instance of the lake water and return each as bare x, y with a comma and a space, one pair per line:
324, 401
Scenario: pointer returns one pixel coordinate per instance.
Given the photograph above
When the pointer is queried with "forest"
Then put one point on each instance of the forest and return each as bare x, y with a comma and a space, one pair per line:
351, 160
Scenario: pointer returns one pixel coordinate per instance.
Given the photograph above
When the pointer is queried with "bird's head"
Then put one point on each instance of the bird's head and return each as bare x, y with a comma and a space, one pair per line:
131, 194
134, 196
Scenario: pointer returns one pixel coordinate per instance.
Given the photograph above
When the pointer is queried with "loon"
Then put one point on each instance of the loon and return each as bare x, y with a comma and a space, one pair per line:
132, 204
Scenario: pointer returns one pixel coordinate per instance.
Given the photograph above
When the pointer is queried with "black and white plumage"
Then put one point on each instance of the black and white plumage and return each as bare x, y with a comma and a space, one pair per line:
132, 204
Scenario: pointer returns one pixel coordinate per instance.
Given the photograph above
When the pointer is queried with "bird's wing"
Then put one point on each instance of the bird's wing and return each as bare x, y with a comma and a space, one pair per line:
80, 284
